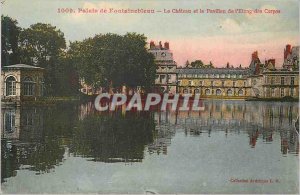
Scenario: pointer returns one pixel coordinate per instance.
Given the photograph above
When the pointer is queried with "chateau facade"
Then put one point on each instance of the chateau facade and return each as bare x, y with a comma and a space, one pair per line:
166, 75
214, 82
259, 80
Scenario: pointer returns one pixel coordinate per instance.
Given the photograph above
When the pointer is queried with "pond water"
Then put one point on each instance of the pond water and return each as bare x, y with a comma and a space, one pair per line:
230, 147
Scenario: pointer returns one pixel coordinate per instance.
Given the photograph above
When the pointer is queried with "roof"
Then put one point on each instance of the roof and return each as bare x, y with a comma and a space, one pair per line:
212, 71
22, 66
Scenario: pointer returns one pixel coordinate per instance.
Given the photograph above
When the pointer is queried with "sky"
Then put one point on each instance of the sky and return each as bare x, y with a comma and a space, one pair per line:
220, 38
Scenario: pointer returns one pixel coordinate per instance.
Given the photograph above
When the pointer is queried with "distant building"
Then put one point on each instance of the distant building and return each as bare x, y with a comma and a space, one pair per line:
271, 82
166, 75
291, 57
21, 82
214, 82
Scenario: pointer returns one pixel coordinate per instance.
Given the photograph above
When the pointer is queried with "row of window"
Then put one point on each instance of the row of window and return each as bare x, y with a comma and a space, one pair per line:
212, 83
28, 87
217, 92
209, 76
282, 81
282, 92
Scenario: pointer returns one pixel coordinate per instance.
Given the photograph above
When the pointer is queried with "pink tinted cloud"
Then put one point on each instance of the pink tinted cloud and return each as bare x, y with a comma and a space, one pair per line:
233, 49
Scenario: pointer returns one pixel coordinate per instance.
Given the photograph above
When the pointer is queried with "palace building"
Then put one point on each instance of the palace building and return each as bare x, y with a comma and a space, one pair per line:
214, 82
21, 82
166, 75
260, 80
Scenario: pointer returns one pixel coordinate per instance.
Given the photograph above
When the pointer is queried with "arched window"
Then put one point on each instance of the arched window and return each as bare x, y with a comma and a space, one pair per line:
28, 86
185, 91
207, 92
241, 92
196, 91
10, 84
218, 92
229, 92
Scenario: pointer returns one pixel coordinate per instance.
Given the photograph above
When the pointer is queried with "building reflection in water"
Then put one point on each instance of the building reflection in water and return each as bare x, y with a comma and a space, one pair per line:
40, 138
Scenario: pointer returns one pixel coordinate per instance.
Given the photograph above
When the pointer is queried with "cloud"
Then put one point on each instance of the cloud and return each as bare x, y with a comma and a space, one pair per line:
231, 26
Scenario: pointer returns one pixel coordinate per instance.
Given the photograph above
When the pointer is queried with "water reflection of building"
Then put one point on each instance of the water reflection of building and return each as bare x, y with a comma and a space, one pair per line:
29, 119
33, 137
260, 121
164, 132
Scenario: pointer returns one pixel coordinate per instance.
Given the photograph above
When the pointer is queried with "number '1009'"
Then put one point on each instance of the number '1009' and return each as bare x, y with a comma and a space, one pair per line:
65, 10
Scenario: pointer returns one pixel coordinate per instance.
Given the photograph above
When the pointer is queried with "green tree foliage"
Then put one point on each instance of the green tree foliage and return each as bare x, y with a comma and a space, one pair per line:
44, 45
200, 64
197, 64
114, 60
9, 41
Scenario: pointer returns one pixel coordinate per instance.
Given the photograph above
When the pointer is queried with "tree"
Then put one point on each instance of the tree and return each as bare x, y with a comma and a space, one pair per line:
187, 64
9, 41
227, 65
43, 45
210, 65
197, 64
112, 60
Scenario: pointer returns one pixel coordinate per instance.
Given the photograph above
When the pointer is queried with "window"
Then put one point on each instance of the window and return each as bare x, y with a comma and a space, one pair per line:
254, 82
282, 92
162, 77
218, 92
272, 92
190, 82
196, 91
28, 86
292, 80
10, 86
282, 80
272, 80
292, 92
207, 92
233, 83
9, 122
169, 78
223, 83
42, 86
185, 91
241, 92
229, 92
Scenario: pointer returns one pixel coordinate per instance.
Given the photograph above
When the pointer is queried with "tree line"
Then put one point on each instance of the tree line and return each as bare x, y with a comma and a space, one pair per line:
105, 60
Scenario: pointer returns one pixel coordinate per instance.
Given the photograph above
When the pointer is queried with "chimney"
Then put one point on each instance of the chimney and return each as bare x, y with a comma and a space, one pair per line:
287, 51
255, 55
152, 45
272, 61
160, 45
167, 46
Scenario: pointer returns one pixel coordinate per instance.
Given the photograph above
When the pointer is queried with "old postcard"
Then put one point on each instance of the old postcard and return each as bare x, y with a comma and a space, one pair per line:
149, 97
